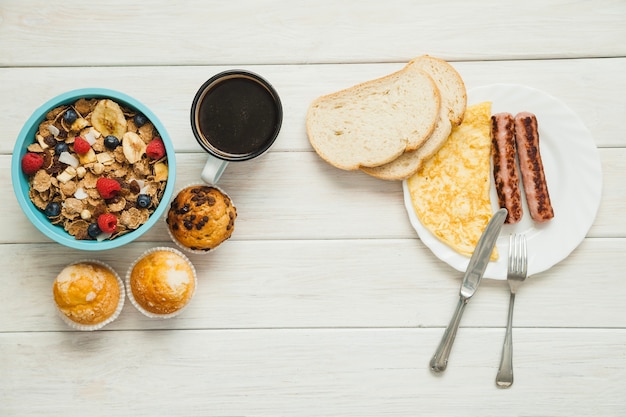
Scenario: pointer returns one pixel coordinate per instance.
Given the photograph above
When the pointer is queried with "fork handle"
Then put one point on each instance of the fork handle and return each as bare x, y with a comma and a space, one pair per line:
439, 362
504, 378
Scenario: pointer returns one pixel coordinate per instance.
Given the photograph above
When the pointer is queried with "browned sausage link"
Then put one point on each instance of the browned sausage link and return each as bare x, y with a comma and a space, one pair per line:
505, 174
531, 167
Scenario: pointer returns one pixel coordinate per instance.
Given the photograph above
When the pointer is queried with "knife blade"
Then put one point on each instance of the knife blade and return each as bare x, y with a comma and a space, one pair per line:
473, 275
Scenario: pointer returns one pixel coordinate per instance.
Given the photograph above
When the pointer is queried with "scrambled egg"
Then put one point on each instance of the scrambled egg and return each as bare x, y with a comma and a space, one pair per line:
450, 194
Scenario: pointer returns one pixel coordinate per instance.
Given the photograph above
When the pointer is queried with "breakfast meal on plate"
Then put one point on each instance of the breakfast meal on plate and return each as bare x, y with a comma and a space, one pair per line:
415, 125
88, 294
200, 218
505, 174
373, 123
96, 168
531, 167
161, 282
450, 193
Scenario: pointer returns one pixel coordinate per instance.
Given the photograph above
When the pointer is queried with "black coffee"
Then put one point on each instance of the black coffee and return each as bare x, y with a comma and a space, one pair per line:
238, 117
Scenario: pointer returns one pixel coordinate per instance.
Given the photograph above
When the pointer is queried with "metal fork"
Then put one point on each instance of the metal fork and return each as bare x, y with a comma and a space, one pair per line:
516, 274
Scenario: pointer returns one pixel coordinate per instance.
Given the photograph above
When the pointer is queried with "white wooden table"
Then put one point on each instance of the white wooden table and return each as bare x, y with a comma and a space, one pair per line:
325, 302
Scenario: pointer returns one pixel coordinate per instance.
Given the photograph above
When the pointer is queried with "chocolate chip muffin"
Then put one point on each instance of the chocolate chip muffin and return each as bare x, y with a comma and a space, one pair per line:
201, 217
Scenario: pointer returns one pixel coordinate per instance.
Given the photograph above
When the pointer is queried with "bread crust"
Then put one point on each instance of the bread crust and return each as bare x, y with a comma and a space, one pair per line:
449, 83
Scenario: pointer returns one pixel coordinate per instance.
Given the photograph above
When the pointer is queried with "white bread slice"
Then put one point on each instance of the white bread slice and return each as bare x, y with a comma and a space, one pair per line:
449, 82
453, 105
372, 123
409, 163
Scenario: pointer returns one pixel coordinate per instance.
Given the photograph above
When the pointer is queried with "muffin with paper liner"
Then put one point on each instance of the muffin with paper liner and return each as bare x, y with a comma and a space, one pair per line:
200, 218
88, 295
161, 282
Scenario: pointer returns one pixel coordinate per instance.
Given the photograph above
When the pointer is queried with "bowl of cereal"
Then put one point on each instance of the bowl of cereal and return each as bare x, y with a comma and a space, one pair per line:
93, 169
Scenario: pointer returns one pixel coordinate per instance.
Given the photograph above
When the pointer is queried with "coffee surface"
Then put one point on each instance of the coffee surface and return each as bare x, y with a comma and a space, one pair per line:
238, 116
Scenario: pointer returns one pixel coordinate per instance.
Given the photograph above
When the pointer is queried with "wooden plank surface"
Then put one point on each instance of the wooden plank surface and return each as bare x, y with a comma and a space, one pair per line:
325, 302
309, 372
79, 33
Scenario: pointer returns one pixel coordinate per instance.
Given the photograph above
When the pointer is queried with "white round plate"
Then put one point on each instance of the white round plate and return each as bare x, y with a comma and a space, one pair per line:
573, 173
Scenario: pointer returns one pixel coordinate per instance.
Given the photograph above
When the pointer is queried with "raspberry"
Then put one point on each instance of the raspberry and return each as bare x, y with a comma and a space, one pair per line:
81, 146
107, 222
156, 149
108, 187
31, 162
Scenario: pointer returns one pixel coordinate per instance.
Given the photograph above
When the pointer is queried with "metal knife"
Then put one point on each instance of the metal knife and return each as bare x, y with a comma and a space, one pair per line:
474, 273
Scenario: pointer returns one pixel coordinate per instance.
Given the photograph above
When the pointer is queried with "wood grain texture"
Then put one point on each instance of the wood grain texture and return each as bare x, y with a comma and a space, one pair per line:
307, 372
325, 302
279, 31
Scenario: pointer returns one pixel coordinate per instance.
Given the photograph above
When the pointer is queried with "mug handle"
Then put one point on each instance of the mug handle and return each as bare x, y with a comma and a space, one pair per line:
213, 170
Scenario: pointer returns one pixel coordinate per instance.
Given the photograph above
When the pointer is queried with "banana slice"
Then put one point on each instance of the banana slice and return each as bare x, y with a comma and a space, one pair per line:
133, 146
160, 171
107, 117
79, 124
87, 158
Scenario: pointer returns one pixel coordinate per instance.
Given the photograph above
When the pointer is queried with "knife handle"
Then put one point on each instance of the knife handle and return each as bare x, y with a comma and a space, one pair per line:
439, 362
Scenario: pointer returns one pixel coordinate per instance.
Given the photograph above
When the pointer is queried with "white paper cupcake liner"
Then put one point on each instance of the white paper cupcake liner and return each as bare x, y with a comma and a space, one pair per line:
167, 227
129, 291
120, 305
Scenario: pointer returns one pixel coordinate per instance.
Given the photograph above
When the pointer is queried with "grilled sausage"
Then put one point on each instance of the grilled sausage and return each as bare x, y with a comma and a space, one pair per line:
505, 173
531, 167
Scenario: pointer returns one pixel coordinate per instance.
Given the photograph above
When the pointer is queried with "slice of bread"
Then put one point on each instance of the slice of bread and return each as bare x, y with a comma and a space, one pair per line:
449, 82
453, 105
409, 163
372, 123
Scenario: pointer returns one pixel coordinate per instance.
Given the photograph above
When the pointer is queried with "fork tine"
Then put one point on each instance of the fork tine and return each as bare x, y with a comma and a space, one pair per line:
518, 259
523, 255
512, 246
517, 249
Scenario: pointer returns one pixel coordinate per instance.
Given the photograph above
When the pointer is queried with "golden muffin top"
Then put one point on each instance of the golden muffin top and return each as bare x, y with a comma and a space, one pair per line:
87, 292
162, 282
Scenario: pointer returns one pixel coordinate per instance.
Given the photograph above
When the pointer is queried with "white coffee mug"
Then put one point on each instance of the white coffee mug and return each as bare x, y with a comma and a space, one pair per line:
235, 116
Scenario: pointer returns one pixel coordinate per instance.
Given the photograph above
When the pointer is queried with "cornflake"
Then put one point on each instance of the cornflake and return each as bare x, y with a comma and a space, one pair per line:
71, 180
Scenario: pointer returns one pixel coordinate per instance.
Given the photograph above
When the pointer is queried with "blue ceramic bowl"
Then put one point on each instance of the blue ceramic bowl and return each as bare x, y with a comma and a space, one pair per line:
22, 188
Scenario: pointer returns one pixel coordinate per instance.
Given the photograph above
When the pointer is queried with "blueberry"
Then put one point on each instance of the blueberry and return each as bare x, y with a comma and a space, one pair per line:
140, 120
93, 230
111, 142
53, 209
70, 116
143, 200
60, 148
